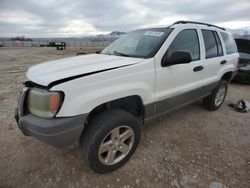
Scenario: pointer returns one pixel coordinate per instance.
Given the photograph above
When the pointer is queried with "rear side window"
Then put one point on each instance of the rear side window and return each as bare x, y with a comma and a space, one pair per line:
186, 40
229, 43
212, 44
218, 42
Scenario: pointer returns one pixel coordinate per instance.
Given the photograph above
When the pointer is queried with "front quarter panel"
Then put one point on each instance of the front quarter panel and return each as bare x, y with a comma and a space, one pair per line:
84, 94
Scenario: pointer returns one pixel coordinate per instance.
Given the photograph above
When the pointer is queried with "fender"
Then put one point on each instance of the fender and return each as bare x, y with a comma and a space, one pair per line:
231, 66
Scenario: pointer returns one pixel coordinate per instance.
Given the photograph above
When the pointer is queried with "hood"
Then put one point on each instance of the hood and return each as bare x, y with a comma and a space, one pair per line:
74, 67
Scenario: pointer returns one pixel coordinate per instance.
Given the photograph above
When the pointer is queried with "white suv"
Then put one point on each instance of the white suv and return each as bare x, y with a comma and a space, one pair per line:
100, 100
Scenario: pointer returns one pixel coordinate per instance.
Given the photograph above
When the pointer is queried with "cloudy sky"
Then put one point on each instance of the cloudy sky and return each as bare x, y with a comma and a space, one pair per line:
63, 18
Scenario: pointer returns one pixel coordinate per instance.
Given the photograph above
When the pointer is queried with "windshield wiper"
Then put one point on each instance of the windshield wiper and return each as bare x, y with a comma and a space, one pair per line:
121, 54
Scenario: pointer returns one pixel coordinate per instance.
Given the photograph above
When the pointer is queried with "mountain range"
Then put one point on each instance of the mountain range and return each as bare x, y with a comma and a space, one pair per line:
243, 33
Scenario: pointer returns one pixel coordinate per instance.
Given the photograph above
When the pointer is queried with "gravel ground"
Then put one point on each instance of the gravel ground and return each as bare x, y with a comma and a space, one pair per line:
190, 147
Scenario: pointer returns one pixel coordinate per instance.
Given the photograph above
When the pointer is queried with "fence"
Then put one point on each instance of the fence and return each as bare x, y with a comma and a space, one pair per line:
70, 42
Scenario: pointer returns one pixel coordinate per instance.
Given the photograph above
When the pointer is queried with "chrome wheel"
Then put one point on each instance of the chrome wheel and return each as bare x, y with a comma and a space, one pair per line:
220, 96
116, 145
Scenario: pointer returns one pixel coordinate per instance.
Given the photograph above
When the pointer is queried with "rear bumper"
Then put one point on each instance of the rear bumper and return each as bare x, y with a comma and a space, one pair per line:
59, 132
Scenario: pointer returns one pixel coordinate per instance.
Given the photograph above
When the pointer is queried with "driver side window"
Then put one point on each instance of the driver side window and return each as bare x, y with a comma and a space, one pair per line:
186, 40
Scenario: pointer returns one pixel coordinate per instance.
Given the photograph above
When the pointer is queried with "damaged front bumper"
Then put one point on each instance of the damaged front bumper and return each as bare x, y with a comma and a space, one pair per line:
57, 131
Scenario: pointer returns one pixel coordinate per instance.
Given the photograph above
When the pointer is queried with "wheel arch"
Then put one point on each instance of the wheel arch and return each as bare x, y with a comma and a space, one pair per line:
227, 76
132, 104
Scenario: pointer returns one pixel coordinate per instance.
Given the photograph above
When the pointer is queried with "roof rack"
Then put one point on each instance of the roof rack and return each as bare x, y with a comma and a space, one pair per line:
201, 23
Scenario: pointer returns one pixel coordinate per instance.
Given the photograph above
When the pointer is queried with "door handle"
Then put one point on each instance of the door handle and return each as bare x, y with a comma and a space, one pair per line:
223, 62
198, 68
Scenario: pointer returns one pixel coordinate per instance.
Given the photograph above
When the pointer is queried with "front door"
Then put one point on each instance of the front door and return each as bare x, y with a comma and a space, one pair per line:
177, 85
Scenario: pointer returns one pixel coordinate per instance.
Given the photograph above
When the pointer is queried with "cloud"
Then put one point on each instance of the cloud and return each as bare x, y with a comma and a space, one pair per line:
53, 18
18, 17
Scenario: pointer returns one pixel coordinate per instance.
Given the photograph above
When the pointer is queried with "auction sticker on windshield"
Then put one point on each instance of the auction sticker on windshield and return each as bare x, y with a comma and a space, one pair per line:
154, 33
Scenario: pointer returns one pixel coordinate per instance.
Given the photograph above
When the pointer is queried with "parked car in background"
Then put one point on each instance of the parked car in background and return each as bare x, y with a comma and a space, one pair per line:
58, 45
243, 74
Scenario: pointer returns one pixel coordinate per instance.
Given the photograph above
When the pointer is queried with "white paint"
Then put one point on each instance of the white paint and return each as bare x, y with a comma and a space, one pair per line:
144, 78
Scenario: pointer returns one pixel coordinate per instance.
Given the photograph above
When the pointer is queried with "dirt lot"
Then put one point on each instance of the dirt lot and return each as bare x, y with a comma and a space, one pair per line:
190, 147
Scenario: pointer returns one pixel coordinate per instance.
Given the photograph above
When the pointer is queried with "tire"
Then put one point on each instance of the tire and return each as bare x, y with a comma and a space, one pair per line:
211, 102
105, 138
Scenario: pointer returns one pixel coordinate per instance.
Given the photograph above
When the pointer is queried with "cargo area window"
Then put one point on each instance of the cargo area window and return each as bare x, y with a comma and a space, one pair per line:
229, 43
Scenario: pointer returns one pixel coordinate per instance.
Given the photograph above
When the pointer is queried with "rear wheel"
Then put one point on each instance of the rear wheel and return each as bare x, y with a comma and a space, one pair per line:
110, 140
217, 97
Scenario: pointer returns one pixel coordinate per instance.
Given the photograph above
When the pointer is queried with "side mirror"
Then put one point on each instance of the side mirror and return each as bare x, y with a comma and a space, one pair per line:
177, 57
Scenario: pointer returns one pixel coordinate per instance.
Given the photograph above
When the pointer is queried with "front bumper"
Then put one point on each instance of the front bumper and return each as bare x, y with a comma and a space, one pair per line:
58, 131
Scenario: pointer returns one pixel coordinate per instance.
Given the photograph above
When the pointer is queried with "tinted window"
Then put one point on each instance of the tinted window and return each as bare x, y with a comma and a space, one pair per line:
229, 43
210, 42
186, 40
218, 42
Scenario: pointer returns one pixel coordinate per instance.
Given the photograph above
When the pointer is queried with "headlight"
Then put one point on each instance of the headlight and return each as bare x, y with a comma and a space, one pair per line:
44, 103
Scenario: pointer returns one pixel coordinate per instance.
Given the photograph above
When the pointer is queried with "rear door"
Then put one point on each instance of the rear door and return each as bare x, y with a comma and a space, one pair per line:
214, 58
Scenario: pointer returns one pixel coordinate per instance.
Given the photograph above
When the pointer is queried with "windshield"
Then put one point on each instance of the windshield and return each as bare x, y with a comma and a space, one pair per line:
141, 43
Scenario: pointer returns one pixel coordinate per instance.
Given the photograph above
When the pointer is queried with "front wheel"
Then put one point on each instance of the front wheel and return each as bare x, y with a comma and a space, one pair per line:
217, 97
109, 140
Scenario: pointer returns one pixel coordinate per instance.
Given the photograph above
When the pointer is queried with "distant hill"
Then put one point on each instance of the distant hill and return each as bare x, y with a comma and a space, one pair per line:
243, 33
113, 35
116, 34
